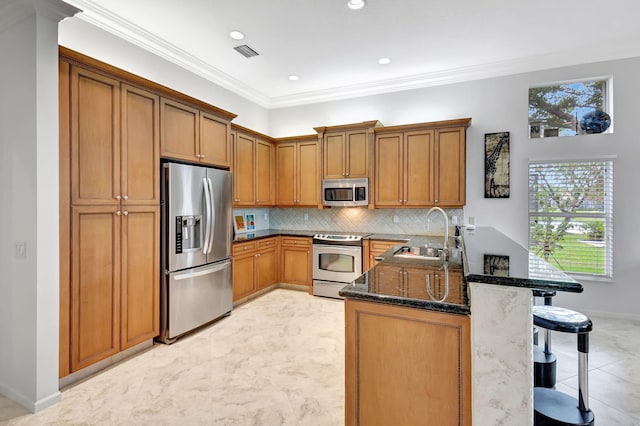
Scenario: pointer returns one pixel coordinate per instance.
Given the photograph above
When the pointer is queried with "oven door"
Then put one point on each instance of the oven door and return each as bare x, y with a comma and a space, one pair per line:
336, 263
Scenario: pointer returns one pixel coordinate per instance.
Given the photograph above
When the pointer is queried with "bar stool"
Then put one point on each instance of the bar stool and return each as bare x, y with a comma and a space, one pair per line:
544, 362
552, 407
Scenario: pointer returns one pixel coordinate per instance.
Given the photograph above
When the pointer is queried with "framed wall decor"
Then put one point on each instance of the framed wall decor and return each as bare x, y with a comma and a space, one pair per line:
496, 165
496, 265
239, 223
250, 221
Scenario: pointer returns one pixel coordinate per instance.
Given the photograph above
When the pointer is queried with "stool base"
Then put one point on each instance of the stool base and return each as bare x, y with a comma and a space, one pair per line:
544, 368
554, 408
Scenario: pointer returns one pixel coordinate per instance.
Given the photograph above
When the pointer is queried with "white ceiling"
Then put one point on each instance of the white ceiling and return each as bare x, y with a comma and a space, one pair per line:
334, 50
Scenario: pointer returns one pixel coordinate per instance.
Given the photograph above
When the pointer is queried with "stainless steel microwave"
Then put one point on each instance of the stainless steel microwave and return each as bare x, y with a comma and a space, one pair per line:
345, 192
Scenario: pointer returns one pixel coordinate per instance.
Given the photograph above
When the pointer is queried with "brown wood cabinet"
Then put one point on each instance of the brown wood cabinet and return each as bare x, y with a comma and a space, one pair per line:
346, 149
406, 366
253, 170
193, 135
255, 266
296, 264
421, 165
374, 248
109, 210
298, 172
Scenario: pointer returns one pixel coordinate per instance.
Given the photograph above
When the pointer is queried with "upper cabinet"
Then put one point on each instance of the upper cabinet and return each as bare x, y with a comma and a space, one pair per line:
346, 149
298, 172
253, 169
191, 134
421, 165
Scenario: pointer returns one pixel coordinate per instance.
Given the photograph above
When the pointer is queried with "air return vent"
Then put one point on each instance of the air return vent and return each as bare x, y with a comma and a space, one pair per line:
246, 51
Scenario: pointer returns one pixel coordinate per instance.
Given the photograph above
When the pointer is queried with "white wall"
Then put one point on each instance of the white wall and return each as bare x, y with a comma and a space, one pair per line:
500, 104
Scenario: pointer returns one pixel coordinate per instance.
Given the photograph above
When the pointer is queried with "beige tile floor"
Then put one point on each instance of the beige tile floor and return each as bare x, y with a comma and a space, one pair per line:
278, 360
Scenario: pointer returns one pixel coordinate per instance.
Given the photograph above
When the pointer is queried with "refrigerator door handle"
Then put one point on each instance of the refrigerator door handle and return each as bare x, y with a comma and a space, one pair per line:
200, 272
207, 201
212, 217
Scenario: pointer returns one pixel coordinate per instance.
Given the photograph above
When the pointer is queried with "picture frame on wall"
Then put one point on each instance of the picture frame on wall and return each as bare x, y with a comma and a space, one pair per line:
250, 221
239, 224
497, 159
496, 265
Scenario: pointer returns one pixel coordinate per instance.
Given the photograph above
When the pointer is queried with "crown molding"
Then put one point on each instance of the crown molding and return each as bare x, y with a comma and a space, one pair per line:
14, 11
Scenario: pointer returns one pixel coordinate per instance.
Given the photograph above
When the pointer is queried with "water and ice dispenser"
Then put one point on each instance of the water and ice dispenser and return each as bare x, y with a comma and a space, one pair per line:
188, 233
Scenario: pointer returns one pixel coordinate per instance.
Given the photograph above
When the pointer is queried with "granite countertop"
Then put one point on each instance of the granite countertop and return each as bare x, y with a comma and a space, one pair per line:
271, 233
483, 255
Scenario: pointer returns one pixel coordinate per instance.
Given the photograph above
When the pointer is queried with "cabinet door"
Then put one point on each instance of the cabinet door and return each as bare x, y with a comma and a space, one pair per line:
308, 174
357, 155
418, 168
389, 170
286, 174
266, 263
265, 174
334, 156
95, 284
450, 167
180, 131
432, 383
95, 138
243, 171
140, 276
377, 247
296, 265
243, 275
140, 142
215, 144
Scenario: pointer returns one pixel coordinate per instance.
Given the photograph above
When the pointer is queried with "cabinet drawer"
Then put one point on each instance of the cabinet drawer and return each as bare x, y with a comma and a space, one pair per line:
296, 241
379, 246
266, 243
239, 248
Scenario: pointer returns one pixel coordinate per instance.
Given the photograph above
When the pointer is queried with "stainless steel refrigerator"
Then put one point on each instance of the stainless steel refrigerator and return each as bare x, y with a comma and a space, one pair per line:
196, 237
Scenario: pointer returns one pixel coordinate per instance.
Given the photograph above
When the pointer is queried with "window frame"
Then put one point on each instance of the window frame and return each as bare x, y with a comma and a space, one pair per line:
607, 215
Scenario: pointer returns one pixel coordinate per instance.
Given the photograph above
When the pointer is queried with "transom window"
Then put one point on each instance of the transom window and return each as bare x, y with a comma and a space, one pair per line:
567, 109
571, 215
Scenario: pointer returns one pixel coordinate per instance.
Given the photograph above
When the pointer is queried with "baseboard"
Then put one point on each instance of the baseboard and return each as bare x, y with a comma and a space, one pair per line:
28, 404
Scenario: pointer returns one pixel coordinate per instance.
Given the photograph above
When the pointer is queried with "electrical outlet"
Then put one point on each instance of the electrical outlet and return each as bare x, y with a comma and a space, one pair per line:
396, 219
306, 217
20, 250
472, 220
454, 220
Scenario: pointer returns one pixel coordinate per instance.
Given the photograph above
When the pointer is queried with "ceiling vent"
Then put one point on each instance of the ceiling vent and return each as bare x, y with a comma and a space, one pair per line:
246, 51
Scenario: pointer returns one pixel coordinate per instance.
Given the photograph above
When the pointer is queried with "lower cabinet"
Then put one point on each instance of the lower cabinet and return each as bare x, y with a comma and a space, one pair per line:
406, 366
374, 248
255, 266
114, 280
297, 261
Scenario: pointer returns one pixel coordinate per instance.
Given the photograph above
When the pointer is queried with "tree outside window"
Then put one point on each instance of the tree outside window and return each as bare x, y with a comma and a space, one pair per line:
559, 108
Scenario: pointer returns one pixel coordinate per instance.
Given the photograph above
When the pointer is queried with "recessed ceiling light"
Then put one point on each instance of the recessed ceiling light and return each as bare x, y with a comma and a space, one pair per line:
236, 35
294, 77
384, 61
355, 4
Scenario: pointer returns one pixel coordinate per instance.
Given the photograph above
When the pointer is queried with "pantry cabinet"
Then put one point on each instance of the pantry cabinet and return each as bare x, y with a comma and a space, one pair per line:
110, 214
421, 165
298, 172
253, 170
190, 134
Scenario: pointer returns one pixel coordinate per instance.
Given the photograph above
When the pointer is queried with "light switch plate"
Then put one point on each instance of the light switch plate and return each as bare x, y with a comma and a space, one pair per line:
20, 249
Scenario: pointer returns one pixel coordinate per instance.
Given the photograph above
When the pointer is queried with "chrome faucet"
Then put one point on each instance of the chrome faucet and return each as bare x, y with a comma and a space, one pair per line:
445, 249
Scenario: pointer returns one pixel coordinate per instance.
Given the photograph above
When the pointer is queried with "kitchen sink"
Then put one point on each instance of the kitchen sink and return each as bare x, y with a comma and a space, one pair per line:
426, 253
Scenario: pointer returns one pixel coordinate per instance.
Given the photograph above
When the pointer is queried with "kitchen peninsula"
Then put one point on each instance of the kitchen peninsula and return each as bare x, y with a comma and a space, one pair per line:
446, 340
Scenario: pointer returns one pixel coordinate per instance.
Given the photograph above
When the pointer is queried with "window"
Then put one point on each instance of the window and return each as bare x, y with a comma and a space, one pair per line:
557, 110
570, 215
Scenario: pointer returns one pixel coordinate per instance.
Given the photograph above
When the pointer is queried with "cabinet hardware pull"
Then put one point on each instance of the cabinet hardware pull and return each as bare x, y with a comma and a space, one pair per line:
126, 213
118, 197
126, 197
118, 213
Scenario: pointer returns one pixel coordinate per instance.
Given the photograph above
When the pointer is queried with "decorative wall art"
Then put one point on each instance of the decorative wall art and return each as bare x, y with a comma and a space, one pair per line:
239, 223
496, 165
250, 221
496, 265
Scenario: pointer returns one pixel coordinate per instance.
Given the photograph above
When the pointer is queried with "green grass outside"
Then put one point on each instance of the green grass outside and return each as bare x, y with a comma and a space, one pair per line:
576, 256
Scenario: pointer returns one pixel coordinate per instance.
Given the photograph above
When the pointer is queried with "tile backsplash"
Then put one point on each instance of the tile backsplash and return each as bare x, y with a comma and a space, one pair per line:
360, 219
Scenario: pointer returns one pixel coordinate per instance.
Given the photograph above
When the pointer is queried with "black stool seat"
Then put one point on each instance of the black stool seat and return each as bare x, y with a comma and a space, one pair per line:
556, 408
561, 319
